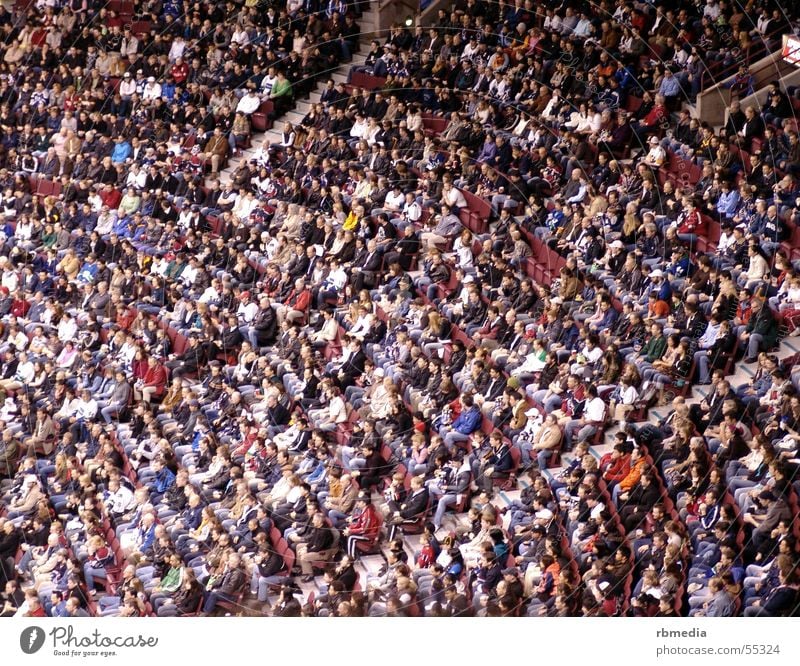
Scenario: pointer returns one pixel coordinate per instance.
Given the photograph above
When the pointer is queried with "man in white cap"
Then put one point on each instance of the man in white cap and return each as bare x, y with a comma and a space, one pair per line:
656, 156
152, 89
127, 87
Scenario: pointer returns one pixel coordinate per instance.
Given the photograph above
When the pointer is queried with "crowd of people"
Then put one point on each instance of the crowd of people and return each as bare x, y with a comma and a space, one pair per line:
418, 313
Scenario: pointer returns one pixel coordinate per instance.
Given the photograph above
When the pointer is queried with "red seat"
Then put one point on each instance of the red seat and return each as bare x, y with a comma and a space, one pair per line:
260, 120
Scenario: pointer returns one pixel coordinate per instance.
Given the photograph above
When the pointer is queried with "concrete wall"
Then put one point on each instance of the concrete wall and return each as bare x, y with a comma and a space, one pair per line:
712, 104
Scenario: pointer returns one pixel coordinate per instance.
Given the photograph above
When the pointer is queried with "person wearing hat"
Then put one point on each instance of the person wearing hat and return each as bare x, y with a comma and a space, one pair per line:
363, 527
514, 586
660, 285
656, 155
152, 89
616, 247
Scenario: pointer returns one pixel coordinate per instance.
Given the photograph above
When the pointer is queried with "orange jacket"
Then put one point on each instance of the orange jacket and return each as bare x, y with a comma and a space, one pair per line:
634, 475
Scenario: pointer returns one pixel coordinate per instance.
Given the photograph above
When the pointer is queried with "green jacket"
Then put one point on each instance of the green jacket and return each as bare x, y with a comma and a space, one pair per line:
654, 349
281, 88
171, 580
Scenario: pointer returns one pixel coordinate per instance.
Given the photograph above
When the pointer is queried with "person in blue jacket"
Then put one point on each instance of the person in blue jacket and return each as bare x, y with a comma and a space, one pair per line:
467, 422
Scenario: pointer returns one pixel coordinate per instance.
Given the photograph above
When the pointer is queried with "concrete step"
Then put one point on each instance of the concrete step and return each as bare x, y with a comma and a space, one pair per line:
339, 77
294, 117
792, 344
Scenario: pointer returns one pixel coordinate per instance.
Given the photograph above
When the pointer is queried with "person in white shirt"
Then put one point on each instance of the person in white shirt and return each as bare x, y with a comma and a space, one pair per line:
159, 266
177, 49
189, 274
119, 498
593, 418
411, 213
362, 324
68, 407
185, 217
414, 120
358, 130
23, 375
656, 155
240, 36
583, 28
152, 89
334, 413
245, 204
9, 279
127, 352
625, 397
212, 292
393, 203
106, 220
329, 330
137, 177
67, 328
552, 22
247, 309
587, 357
453, 197
371, 133
333, 284
249, 103
757, 271
268, 81
551, 110
127, 87
85, 408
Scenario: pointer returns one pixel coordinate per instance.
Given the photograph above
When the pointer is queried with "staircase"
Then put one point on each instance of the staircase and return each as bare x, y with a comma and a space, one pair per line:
369, 26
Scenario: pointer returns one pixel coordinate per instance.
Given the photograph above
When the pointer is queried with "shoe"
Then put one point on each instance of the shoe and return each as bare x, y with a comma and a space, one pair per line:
308, 579
750, 360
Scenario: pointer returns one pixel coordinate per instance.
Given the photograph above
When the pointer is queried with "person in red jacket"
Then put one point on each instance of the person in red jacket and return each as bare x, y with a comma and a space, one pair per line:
365, 527
153, 383
126, 317
619, 465
110, 196
691, 224
295, 307
19, 306
653, 121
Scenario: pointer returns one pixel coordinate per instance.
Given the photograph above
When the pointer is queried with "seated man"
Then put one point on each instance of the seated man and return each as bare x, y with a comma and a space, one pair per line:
227, 586
416, 505
761, 332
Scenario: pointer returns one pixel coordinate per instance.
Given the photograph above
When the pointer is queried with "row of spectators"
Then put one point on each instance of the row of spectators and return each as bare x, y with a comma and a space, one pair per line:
421, 293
